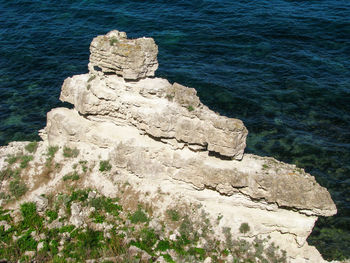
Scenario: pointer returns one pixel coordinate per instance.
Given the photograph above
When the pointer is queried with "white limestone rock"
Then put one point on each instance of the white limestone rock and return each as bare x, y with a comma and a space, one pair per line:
170, 113
130, 58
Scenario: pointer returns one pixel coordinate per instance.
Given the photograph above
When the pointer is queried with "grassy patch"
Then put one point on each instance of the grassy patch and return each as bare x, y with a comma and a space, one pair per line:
11, 159
105, 166
138, 216
31, 147
31, 219
25, 159
173, 214
74, 176
70, 152
17, 188
9, 173
190, 108
113, 41
52, 214
244, 228
51, 151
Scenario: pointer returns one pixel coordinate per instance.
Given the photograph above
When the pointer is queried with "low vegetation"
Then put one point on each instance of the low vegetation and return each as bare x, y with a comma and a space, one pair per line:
113, 233
113, 40
31, 147
74, 176
105, 166
119, 229
70, 152
51, 151
190, 108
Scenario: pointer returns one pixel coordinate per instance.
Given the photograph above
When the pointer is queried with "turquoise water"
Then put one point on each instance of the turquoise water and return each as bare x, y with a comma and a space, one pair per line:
283, 67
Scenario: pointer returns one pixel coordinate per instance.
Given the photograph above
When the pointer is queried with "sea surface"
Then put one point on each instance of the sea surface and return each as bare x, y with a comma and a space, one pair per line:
282, 66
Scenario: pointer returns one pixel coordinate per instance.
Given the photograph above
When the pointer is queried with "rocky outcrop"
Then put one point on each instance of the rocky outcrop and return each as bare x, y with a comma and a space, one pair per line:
130, 58
159, 137
261, 179
168, 112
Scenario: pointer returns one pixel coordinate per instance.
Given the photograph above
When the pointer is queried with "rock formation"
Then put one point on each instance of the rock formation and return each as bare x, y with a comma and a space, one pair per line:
131, 59
160, 136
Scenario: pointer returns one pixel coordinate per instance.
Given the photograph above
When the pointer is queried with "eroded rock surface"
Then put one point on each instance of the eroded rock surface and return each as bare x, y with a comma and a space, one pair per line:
259, 178
160, 138
169, 112
130, 58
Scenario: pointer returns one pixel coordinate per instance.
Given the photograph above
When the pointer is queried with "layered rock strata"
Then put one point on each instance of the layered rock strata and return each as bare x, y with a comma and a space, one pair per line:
130, 58
161, 136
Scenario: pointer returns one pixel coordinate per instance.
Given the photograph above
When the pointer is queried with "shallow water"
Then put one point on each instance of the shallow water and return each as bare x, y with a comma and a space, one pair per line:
283, 67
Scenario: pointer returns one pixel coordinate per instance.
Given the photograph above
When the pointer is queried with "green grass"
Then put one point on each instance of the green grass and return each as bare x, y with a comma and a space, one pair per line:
69, 152
85, 243
190, 108
31, 219
25, 159
105, 166
113, 41
173, 214
11, 159
52, 214
74, 176
138, 216
17, 188
51, 151
31, 147
244, 228
9, 173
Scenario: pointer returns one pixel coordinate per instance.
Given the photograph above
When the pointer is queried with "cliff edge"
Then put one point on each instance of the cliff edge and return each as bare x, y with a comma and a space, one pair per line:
159, 137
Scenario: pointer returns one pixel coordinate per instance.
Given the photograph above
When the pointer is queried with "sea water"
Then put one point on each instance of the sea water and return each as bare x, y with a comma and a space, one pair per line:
283, 67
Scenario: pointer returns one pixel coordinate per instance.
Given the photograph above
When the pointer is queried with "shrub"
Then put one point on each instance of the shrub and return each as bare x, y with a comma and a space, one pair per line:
31, 147
83, 166
105, 166
163, 245
244, 228
68, 152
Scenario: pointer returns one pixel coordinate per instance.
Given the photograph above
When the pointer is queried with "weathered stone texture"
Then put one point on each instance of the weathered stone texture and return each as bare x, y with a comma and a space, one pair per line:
159, 109
162, 133
130, 58
259, 178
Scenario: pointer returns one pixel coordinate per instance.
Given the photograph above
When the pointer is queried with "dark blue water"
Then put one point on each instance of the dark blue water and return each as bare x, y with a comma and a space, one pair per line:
283, 67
